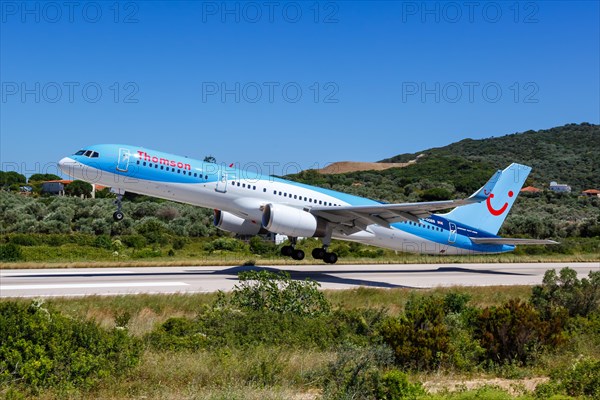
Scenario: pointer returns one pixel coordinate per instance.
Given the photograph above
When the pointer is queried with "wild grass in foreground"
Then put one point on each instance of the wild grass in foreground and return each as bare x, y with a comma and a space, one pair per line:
276, 338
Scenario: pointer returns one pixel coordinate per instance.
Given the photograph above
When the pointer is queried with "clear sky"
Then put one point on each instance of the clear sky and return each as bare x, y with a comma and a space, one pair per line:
293, 83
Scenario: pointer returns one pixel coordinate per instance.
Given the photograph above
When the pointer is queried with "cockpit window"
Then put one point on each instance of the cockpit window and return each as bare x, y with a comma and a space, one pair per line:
88, 153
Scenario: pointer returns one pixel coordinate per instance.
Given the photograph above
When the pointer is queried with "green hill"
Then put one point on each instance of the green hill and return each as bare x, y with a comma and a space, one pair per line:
567, 154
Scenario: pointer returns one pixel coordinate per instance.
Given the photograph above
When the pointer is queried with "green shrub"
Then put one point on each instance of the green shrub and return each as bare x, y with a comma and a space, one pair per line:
103, 242
135, 241
10, 252
25, 239
419, 338
41, 348
357, 374
565, 290
224, 244
263, 290
582, 379
514, 331
394, 385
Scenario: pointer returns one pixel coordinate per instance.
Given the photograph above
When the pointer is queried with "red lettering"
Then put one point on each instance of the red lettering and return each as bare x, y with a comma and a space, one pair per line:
155, 159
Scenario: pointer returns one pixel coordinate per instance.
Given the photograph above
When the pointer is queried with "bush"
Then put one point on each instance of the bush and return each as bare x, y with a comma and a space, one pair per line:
10, 252
360, 373
565, 290
514, 331
263, 290
419, 338
103, 242
582, 379
41, 348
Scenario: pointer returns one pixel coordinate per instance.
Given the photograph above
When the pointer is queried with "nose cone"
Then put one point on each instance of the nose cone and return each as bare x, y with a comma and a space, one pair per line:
66, 165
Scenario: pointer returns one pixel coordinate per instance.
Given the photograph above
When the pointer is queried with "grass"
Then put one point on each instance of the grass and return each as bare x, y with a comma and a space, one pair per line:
74, 256
268, 372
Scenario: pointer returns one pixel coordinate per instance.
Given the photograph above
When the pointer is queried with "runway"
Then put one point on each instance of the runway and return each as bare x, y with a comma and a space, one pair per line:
121, 281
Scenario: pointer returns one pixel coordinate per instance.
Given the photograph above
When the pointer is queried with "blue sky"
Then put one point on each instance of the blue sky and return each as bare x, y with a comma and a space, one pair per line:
291, 83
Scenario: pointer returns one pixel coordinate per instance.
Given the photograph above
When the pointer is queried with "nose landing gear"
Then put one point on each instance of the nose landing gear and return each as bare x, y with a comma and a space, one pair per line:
118, 215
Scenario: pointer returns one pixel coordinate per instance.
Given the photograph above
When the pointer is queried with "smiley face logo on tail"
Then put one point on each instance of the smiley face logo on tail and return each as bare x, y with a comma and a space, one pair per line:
500, 211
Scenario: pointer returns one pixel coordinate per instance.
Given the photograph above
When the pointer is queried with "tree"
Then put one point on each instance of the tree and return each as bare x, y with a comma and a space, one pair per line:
43, 177
78, 188
11, 177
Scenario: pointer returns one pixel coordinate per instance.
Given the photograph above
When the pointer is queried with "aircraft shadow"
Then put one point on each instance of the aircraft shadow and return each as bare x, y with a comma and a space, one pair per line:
319, 276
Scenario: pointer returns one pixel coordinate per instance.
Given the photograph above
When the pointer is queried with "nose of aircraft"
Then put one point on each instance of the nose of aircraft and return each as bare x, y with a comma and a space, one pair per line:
66, 164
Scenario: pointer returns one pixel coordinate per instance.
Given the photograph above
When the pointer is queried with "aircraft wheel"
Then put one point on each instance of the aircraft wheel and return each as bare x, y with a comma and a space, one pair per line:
287, 251
318, 253
298, 255
118, 216
330, 258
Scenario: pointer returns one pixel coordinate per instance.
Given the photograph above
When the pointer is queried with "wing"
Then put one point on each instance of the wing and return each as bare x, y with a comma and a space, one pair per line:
513, 241
351, 219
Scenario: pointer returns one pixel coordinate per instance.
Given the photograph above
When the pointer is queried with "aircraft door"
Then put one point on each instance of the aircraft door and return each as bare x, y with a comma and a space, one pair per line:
222, 183
123, 162
452, 236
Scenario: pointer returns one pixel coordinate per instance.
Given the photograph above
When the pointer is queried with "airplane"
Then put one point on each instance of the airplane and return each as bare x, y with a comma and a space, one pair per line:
249, 203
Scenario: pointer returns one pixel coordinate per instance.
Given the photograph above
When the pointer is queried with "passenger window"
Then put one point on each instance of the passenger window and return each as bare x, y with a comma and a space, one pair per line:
264, 190
243, 185
195, 174
295, 197
156, 166
178, 171
162, 167
206, 177
150, 165
253, 187
138, 162
144, 163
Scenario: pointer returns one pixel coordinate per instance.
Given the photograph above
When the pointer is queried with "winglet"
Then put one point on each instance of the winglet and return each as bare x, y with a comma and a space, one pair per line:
486, 189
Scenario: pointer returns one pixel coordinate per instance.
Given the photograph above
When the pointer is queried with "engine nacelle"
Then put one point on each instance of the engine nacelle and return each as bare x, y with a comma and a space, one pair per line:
232, 223
292, 221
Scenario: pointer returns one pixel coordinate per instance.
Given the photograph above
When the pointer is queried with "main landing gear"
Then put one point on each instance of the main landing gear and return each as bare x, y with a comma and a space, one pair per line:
118, 215
290, 251
320, 253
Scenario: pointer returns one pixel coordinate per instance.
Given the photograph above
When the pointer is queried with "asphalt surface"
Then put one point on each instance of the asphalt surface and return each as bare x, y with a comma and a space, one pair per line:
118, 281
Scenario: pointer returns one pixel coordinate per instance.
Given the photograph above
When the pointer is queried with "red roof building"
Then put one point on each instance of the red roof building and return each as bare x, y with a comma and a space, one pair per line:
531, 189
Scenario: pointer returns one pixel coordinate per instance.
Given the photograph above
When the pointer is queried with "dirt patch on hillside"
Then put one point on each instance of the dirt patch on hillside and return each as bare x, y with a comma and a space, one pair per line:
342, 167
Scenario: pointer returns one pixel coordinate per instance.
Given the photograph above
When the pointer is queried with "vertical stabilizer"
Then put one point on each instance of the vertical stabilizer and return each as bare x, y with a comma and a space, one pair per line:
489, 215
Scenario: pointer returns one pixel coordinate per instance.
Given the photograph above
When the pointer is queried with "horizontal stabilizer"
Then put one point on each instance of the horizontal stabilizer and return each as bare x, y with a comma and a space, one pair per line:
513, 241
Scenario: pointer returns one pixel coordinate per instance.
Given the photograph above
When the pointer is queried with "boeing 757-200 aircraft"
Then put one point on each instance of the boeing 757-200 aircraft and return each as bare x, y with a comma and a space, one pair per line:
248, 203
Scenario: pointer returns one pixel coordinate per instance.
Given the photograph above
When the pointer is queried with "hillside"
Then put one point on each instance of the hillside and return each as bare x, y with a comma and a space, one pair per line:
567, 154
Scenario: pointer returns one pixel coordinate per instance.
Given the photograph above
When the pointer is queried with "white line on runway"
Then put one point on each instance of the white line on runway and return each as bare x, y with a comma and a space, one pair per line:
91, 285
89, 272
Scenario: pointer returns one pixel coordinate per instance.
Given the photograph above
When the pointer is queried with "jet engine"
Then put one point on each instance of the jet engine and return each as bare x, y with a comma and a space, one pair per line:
291, 221
232, 223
